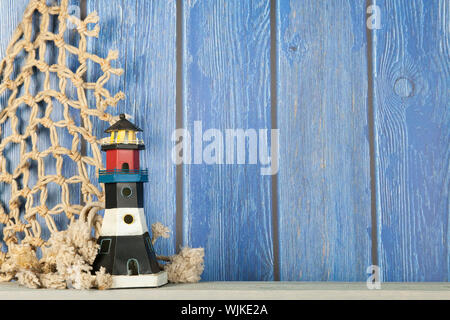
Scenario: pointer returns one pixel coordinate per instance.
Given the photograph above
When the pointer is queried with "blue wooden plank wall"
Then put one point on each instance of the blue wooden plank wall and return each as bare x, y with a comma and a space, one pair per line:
412, 113
362, 111
324, 181
227, 208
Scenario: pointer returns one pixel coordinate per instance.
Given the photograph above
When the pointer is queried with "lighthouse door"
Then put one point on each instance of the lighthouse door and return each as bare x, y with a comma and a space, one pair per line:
132, 267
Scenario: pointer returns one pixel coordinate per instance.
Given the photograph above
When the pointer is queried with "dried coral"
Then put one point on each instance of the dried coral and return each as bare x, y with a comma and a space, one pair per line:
103, 279
28, 278
68, 256
66, 261
159, 230
187, 266
19, 262
52, 280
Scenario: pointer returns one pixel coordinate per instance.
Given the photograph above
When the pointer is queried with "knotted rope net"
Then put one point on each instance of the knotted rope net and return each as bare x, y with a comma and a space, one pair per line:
16, 86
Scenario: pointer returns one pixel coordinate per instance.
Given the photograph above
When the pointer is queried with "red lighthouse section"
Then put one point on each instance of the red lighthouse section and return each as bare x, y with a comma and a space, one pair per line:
122, 159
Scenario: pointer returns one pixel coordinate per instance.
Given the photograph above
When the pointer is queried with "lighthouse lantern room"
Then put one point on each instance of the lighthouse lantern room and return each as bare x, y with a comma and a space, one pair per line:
126, 250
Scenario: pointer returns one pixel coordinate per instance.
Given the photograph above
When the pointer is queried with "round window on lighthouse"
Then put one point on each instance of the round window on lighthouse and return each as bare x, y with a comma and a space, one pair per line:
128, 219
126, 192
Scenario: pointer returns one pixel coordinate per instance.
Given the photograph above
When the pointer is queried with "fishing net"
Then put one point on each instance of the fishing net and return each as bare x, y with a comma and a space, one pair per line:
32, 198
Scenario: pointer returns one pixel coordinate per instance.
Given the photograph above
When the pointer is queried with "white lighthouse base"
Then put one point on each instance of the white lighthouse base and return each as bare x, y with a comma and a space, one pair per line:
140, 281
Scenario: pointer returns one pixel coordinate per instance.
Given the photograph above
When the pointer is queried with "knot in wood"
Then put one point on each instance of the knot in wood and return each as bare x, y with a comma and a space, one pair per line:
403, 87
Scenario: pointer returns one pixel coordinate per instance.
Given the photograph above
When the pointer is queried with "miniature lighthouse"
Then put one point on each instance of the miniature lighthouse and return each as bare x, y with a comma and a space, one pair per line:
126, 250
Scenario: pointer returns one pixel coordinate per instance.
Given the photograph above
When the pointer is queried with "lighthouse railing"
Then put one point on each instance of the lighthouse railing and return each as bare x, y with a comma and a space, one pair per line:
107, 141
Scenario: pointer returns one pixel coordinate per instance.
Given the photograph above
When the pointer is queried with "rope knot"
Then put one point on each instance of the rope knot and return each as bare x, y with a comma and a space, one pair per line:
27, 72
42, 210
105, 66
84, 188
34, 241
76, 156
63, 99
42, 66
11, 85
4, 218
77, 81
11, 114
26, 190
60, 180
16, 139
82, 28
19, 227
6, 177
91, 139
59, 42
69, 124
46, 122
42, 8
28, 99
28, 46
10, 240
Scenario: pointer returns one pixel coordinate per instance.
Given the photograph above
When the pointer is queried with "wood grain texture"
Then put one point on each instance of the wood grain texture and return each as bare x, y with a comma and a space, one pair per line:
227, 207
324, 180
412, 75
144, 33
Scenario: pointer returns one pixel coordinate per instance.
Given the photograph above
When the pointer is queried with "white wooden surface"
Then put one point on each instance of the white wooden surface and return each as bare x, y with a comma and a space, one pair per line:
239, 290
